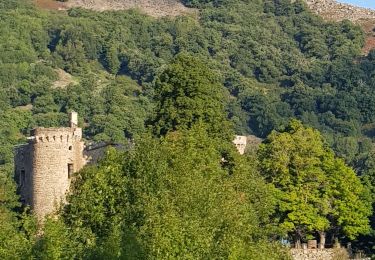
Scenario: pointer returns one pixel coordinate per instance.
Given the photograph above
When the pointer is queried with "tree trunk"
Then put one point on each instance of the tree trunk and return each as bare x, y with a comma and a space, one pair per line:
337, 243
297, 244
333, 238
322, 239
298, 238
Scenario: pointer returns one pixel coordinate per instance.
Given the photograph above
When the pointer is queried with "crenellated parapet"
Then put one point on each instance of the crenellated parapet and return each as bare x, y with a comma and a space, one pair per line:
55, 135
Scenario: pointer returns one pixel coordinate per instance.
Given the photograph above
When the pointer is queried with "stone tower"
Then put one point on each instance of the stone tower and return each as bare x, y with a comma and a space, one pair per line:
44, 166
240, 142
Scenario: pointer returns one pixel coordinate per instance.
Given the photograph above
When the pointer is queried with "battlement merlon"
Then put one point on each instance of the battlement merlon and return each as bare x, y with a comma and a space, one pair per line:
73, 119
60, 134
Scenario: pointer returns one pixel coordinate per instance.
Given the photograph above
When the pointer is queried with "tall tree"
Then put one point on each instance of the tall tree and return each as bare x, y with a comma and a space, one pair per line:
317, 191
187, 92
175, 198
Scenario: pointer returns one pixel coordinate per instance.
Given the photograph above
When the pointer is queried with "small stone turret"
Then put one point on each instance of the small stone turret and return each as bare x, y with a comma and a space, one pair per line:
240, 142
45, 165
73, 119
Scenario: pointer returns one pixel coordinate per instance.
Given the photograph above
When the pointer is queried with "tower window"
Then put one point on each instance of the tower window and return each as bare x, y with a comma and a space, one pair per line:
70, 148
70, 170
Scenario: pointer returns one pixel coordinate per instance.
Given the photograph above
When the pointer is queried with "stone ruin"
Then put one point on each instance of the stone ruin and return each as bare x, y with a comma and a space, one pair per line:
46, 164
240, 141
312, 251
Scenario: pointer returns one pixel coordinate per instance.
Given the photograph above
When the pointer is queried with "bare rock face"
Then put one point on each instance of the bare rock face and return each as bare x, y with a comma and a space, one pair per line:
153, 8
333, 10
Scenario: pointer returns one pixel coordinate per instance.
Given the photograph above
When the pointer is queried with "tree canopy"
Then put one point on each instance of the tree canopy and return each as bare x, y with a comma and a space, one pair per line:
188, 92
174, 198
240, 66
318, 192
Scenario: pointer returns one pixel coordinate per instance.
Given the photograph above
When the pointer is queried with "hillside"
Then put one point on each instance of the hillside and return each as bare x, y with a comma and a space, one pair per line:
329, 9
152, 8
332, 10
174, 91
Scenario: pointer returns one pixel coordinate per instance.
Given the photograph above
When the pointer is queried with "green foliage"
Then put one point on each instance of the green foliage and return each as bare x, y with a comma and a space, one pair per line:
187, 92
275, 59
174, 198
104, 190
52, 244
317, 192
350, 202
14, 243
275, 42
60, 241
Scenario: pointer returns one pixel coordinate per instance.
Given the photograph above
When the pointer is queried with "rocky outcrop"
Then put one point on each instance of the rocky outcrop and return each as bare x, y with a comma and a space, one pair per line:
157, 8
154, 8
333, 10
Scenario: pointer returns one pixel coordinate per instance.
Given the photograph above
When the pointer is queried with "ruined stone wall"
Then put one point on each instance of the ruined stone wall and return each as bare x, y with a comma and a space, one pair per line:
319, 254
46, 160
240, 142
23, 172
93, 153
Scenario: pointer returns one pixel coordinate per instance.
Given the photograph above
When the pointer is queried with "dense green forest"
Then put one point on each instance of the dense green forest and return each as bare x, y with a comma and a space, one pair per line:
179, 89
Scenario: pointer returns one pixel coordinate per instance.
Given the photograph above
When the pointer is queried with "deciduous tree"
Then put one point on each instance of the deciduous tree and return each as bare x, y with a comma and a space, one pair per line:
317, 191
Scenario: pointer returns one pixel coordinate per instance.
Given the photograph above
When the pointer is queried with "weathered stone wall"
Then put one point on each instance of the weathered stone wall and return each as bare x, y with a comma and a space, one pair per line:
240, 143
45, 162
320, 254
23, 172
94, 152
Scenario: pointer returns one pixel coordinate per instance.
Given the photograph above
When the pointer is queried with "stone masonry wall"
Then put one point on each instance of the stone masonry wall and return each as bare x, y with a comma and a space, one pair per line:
23, 172
320, 254
53, 151
45, 161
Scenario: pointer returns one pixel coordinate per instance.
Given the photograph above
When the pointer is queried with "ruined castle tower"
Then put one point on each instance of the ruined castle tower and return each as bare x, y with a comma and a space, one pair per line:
240, 141
44, 166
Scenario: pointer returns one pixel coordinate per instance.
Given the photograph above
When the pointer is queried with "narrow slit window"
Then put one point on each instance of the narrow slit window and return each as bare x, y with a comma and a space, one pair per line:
22, 177
70, 170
